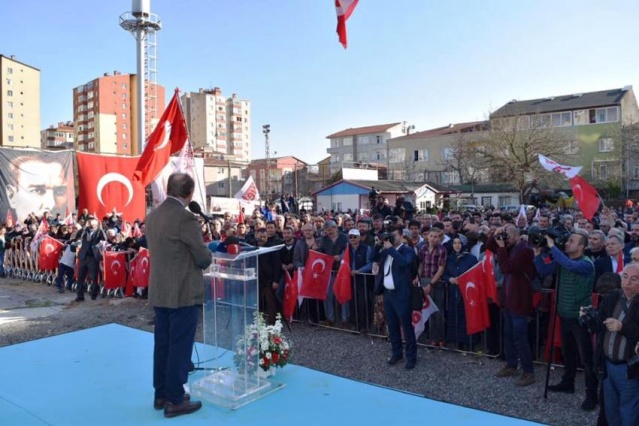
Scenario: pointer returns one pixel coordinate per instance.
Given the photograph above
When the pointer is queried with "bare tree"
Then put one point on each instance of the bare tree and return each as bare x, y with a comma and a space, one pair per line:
465, 157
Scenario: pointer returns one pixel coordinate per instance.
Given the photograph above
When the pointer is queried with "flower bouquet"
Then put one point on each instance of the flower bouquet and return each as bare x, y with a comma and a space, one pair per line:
262, 344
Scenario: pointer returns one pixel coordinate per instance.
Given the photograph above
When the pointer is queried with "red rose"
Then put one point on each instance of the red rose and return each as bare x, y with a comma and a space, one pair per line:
275, 357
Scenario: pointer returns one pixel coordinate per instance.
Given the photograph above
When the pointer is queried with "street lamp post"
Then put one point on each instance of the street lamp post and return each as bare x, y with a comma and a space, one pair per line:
266, 129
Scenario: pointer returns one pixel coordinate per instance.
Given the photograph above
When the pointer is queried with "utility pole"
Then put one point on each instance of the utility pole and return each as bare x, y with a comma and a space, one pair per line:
266, 129
230, 180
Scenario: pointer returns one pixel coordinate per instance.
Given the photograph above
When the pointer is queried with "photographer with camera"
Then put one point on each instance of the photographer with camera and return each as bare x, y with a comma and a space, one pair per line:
574, 290
514, 258
616, 324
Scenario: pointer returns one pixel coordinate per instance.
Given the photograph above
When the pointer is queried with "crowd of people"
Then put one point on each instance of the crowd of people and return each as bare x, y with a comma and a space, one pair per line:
585, 262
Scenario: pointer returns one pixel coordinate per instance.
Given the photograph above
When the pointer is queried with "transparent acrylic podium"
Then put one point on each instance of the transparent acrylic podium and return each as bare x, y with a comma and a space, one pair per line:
230, 377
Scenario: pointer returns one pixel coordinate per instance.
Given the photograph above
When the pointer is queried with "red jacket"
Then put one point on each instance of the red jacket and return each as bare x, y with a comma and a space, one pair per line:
516, 292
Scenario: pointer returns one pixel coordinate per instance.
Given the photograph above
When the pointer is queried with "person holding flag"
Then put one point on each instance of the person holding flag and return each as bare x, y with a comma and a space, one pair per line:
515, 262
574, 291
361, 262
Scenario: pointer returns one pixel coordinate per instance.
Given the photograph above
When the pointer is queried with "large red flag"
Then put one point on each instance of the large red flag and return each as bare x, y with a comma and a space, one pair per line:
344, 9
290, 296
105, 182
585, 195
472, 287
9, 220
114, 269
342, 286
169, 137
50, 249
130, 281
317, 275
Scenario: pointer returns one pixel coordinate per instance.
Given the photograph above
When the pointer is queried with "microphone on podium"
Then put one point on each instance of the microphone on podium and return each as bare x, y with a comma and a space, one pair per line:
195, 208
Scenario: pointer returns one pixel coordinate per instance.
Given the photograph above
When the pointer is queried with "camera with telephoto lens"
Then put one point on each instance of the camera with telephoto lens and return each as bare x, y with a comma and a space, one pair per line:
502, 236
590, 318
537, 236
386, 236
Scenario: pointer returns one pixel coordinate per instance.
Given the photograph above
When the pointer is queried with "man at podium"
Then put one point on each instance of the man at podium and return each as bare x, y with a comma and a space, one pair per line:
177, 256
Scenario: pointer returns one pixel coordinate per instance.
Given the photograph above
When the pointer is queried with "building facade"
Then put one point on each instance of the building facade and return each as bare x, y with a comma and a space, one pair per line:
592, 124
57, 137
220, 123
362, 145
426, 156
281, 172
105, 114
19, 104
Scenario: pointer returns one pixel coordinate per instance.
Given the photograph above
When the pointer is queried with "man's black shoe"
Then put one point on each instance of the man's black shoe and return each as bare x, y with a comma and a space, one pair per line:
562, 386
410, 364
590, 403
94, 296
159, 403
394, 359
187, 407
79, 299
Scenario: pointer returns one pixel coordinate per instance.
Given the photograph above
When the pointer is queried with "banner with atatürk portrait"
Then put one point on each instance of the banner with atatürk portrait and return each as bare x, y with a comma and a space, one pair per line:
34, 181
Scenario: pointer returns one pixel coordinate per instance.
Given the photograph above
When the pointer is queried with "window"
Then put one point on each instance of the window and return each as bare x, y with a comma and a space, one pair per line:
123, 135
379, 139
606, 145
220, 170
9, 82
123, 106
10, 126
124, 115
123, 95
220, 184
124, 125
348, 157
348, 141
10, 115
561, 119
396, 155
448, 154
9, 70
9, 92
10, 104
380, 155
603, 171
420, 155
124, 85
486, 201
504, 200
572, 147
10, 138
362, 156
635, 172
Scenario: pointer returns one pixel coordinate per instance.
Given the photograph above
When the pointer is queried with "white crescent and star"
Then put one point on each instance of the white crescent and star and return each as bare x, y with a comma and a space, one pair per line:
114, 177
116, 262
575, 189
49, 248
167, 136
316, 273
471, 300
144, 264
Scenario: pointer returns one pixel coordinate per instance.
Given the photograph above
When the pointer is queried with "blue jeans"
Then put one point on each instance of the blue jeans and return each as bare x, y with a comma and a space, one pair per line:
516, 346
174, 337
330, 302
64, 270
2, 272
621, 396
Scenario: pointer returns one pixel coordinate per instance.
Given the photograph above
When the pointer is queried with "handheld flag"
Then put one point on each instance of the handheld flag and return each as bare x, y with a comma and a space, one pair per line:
342, 286
344, 9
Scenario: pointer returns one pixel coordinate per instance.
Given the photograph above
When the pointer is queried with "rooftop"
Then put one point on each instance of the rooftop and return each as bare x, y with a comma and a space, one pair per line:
471, 126
563, 103
367, 130
392, 186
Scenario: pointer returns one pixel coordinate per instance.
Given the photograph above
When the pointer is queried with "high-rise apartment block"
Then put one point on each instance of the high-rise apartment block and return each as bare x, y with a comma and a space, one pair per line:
58, 137
105, 111
19, 104
218, 122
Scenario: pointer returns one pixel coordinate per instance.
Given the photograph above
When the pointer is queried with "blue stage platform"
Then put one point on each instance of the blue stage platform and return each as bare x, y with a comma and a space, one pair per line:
102, 376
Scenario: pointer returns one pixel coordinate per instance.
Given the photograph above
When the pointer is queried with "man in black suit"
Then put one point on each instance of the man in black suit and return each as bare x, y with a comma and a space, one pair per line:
613, 261
89, 259
270, 270
394, 282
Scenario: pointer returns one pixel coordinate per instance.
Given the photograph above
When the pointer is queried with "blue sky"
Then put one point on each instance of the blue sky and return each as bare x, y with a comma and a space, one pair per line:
426, 62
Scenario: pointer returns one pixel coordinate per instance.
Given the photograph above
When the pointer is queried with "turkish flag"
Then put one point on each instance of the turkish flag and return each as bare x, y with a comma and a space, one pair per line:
43, 229
114, 269
105, 183
317, 275
169, 137
9, 220
130, 281
142, 270
488, 269
421, 317
344, 9
472, 287
290, 296
50, 249
342, 286
585, 195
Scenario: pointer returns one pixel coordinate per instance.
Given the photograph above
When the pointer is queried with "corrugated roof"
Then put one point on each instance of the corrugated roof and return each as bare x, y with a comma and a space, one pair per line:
446, 130
378, 128
386, 186
562, 103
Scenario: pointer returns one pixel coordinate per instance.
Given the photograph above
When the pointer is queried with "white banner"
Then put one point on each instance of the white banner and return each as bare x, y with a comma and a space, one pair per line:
552, 166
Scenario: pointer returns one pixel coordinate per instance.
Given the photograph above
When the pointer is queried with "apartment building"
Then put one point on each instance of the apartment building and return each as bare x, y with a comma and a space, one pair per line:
19, 104
220, 123
58, 137
105, 114
282, 173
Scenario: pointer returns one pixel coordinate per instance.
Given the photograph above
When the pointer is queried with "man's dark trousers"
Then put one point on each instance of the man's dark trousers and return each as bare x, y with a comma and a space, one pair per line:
174, 337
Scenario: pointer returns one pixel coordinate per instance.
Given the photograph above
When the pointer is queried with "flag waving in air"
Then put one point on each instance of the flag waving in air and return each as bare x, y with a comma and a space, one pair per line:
290, 296
169, 137
50, 250
344, 9
585, 195
552, 166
